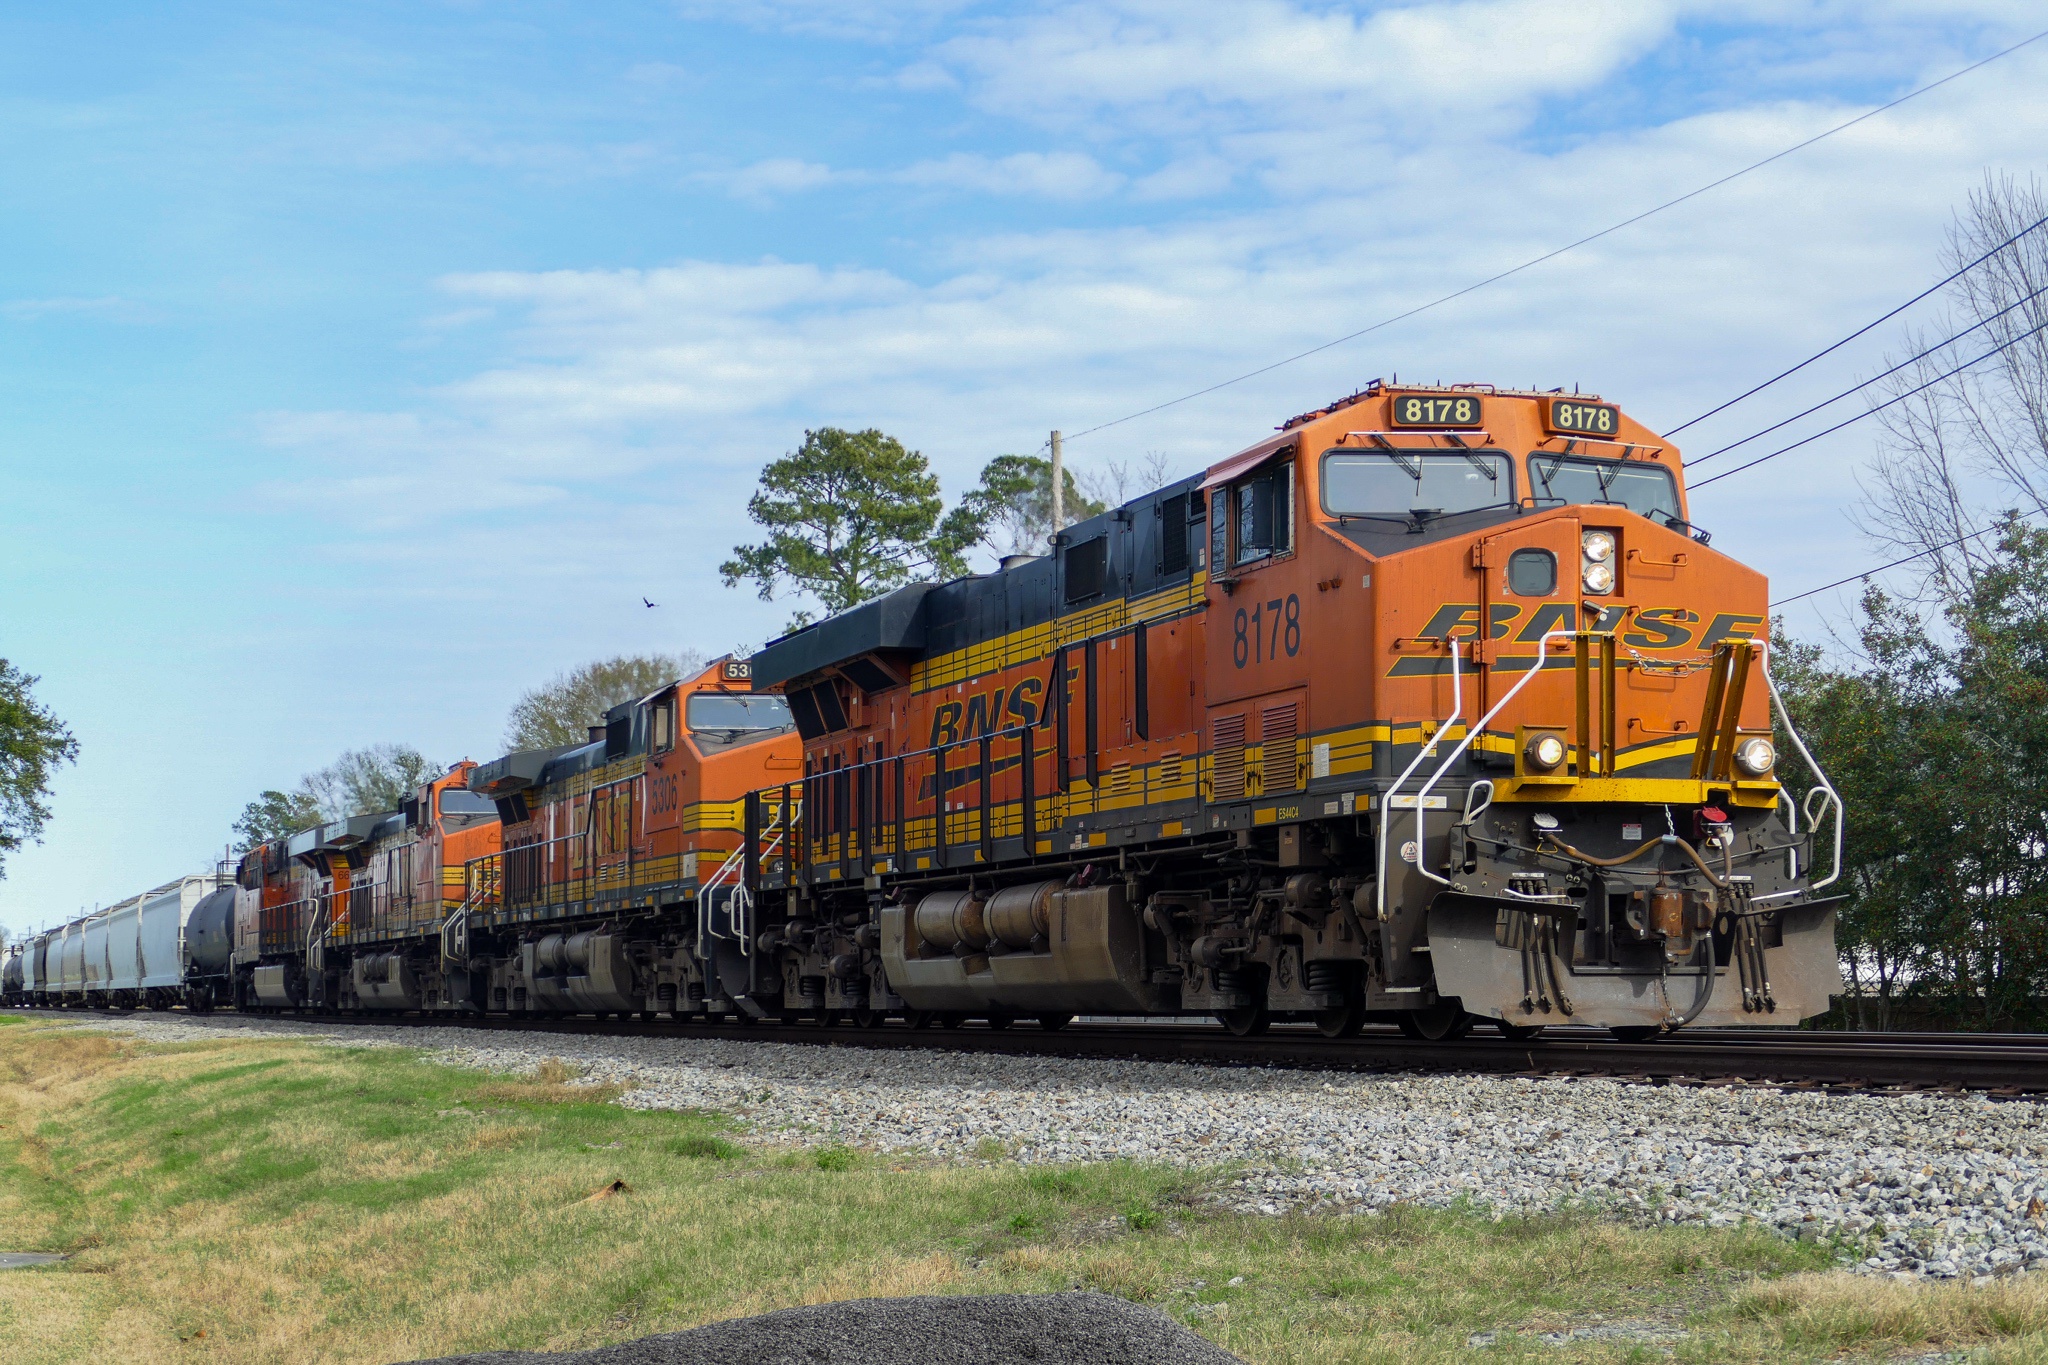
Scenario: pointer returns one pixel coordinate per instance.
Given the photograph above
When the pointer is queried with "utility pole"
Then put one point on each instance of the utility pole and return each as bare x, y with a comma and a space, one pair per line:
1059, 488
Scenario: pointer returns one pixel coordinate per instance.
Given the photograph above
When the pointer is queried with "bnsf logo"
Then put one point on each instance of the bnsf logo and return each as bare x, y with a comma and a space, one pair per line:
1651, 628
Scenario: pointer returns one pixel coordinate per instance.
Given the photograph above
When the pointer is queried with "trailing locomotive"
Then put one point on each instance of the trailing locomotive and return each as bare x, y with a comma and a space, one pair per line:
1432, 708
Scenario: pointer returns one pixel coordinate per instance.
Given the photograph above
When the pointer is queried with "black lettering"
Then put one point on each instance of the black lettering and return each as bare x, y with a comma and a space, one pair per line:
945, 725
1661, 628
1730, 626
1499, 617
1022, 705
1450, 618
1546, 618
978, 712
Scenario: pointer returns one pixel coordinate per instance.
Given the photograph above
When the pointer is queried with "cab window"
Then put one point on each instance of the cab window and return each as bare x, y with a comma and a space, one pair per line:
1412, 485
732, 718
1264, 514
663, 725
1644, 488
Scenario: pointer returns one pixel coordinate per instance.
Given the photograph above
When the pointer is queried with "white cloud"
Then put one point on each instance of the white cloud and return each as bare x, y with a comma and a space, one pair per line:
1049, 175
771, 179
1178, 59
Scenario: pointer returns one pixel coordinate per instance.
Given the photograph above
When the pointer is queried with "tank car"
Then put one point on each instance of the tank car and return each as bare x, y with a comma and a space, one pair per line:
13, 993
1433, 707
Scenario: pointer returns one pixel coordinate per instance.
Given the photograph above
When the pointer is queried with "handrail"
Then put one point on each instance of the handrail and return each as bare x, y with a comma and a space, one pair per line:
1473, 732
1834, 798
1421, 752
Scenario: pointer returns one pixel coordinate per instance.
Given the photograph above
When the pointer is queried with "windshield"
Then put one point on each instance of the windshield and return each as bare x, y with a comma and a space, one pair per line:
1641, 487
1396, 483
457, 801
731, 716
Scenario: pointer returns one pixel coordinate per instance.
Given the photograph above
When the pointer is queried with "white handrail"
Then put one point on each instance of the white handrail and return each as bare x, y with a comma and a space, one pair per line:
1834, 798
1421, 752
1472, 733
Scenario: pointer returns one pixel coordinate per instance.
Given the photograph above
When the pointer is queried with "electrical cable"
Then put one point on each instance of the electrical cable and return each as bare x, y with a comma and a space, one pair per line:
1858, 388
1871, 411
1933, 288
1570, 246
1917, 554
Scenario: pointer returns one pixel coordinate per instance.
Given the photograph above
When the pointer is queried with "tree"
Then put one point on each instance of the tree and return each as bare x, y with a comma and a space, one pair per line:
364, 781
1938, 743
1011, 509
275, 815
850, 515
1952, 424
563, 710
33, 745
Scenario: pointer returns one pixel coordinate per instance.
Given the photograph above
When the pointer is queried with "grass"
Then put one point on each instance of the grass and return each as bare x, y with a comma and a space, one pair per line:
273, 1200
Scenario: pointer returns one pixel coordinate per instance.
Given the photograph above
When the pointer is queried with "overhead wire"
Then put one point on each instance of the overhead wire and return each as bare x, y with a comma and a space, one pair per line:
1860, 331
1568, 247
1872, 411
1857, 388
1917, 554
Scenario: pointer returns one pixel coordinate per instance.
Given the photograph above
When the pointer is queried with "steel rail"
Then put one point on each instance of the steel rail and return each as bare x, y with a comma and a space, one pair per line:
2006, 1063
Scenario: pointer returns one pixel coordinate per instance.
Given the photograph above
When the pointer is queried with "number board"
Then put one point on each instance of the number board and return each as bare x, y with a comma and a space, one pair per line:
1573, 418
1436, 410
737, 670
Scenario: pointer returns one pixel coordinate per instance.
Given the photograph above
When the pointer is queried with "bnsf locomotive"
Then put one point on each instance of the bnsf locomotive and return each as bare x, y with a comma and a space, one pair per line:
1432, 708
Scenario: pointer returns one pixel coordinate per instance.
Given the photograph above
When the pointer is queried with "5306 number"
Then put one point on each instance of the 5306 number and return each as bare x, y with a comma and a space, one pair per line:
1262, 630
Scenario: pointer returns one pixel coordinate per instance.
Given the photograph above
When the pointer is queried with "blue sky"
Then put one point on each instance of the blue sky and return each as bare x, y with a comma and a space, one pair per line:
363, 366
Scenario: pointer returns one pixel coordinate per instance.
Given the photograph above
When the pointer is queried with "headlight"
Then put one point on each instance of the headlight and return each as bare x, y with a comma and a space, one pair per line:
1598, 545
1599, 578
1543, 751
1755, 756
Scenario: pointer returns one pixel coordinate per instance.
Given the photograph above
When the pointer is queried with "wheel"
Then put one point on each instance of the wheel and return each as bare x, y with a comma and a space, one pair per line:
1247, 1022
1518, 1033
648, 1016
951, 1019
824, 1018
1635, 1033
1343, 1021
1053, 1023
866, 1018
999, 1021
1438, 1024
920, 1018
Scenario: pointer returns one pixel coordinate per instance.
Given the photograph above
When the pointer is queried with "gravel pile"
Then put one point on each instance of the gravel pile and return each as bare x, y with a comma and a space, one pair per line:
985, 1329
1942, 1185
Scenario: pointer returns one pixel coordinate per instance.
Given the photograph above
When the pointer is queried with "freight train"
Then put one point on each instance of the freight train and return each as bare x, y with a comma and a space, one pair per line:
1433, 708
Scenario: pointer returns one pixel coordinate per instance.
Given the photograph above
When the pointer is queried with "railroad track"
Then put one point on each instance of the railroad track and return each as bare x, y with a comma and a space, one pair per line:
2002, 1064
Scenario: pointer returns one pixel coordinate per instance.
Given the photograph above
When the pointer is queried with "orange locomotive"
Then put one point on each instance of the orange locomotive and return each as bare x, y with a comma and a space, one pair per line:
547, 881
1433, 707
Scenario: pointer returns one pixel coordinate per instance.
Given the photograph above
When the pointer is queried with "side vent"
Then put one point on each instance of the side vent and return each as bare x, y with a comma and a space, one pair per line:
1228, 734
1281, 768
1173, 535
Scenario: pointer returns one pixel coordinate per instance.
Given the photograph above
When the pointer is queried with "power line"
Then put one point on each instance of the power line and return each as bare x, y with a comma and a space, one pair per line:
1855, 389
1917, 554
1896, 398
1933, 288
1570, 246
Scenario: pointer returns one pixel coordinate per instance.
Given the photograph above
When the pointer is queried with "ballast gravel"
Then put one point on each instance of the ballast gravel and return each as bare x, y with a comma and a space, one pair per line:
1938, 1185
981, 1329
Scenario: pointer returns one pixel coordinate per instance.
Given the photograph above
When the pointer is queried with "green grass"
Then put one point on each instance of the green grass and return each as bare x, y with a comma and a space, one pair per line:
264, 1200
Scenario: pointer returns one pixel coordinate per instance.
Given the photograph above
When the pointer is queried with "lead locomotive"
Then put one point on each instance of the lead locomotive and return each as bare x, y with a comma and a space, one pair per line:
1434, 707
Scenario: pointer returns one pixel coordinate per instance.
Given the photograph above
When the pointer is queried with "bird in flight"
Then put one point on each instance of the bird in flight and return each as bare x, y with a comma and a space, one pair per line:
645, 603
